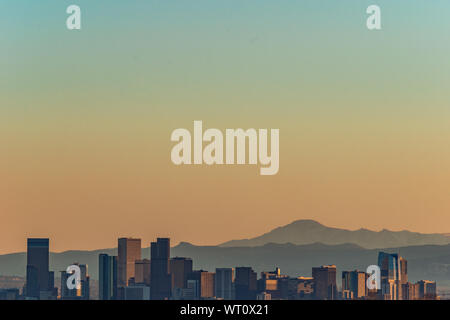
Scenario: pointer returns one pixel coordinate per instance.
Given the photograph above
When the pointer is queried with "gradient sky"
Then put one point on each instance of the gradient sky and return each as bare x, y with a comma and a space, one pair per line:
86, 118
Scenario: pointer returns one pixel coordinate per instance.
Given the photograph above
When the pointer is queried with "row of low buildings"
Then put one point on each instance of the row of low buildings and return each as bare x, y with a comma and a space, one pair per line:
128, 276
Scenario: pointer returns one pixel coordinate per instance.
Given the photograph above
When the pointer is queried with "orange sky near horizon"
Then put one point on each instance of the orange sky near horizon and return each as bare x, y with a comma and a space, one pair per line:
86, 119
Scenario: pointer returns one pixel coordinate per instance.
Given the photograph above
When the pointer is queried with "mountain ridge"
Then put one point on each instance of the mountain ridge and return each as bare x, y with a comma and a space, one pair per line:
310, 231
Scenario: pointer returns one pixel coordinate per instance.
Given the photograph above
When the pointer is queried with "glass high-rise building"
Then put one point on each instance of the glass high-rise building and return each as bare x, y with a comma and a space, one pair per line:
107, 272
224, 283
394, 275
160, 277
38, 275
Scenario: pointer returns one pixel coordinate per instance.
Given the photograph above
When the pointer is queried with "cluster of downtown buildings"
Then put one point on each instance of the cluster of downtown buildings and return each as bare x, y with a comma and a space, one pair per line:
129, 277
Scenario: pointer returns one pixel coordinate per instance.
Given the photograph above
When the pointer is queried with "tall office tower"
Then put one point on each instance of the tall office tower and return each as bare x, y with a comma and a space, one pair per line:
66, 293
427, 290
129, 250
403, 270
410, 291
245, 283
355, 283
204, 282
180, 268
107, 272
37, 267
160, 278
224, 283
81, 293
85, 282
394, 275
325, 282
142, 272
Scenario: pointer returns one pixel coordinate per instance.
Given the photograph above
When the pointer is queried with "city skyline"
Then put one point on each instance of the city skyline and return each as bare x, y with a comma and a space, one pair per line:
174, 278
86, 117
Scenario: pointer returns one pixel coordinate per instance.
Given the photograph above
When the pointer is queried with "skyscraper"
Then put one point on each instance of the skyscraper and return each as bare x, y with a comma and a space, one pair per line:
81, 293
355, 283
224, 283
410, 291
427, 290
37, 267
325, 282
394, 275
129, 250
85, 282
403, 270
66, 293
245, 283
180, 268
107, 271
160, 278
204, 282
142, 272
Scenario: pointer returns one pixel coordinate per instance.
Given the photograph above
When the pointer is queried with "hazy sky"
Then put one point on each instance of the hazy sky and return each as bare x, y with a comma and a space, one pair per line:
86, 118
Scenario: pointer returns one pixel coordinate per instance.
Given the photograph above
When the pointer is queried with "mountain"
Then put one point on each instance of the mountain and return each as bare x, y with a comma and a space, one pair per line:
430, 262
309, 231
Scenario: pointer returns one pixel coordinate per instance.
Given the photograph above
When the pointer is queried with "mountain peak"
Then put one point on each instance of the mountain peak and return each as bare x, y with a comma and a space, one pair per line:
306, 223
307, 231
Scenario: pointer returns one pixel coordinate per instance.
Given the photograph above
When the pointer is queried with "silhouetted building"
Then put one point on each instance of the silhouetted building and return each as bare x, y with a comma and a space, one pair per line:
38, 277
224, 283
85, 282
354, 282
410, 291
274, 283
129, 250
192, 292
160, 278
80, 293
180, 268
204, 282
142, 272
427, 290
107, 273
300, 288
403, 270
9, 294
66, 293
137, 292
245, 283
325, 282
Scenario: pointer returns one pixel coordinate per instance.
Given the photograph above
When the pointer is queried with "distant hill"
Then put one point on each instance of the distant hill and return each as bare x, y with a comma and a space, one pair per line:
310, 231
430, 262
